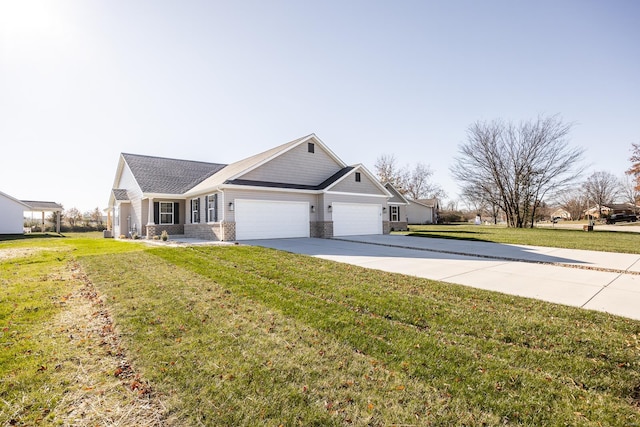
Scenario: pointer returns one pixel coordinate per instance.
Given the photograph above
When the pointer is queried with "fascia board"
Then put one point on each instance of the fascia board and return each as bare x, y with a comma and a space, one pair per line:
270, 189
344, 193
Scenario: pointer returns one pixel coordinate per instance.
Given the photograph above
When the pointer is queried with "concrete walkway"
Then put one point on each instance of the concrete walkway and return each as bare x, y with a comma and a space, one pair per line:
592, 280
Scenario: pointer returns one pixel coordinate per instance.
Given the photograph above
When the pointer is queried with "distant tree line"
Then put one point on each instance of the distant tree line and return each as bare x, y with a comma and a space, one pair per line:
72, 220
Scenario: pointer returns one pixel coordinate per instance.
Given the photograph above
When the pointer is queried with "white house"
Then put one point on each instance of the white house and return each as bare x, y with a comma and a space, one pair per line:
11, 214
423, 211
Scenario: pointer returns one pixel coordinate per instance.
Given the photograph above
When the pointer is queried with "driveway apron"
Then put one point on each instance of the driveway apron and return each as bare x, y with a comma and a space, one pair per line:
593, 280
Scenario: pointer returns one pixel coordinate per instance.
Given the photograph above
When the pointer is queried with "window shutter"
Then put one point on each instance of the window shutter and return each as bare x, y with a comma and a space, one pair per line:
191, 211
176, 213
206, 208
156, 212
199, 210
215, 207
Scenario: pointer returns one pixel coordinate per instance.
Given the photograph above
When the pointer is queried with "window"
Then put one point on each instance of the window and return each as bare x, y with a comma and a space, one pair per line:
212, 208
195, 211
358, 177
395, 213
311, 147
166, 213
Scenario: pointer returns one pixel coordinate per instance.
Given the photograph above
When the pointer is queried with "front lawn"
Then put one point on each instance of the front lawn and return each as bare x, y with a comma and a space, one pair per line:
252, 336
598, 240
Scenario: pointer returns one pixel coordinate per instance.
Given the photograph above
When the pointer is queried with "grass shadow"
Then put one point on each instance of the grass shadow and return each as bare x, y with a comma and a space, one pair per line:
12, 237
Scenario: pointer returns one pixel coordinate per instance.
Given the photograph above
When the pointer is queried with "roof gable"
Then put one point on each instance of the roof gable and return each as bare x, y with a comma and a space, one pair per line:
14, 200
397, 198
168, 176
266, 169
368, 183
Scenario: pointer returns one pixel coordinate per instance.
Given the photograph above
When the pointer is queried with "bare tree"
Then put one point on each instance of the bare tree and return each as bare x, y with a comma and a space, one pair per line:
517, 166
630, 191
574, 201
96, 216
414, 183
387, 171
634, 170
602, 188
73, 216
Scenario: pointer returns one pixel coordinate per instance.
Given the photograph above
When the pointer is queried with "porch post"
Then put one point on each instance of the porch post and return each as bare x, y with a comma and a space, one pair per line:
150, 216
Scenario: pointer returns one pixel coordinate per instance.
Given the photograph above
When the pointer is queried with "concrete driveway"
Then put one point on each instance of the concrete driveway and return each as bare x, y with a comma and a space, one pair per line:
593, 280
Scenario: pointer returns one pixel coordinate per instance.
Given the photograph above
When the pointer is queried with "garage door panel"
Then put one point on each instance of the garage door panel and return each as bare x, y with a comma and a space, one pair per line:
262, 219
353, 219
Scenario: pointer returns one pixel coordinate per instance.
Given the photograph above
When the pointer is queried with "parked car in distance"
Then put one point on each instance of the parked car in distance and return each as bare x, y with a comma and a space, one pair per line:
621, 217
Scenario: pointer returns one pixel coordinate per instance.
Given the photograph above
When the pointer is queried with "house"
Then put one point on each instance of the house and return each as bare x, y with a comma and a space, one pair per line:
612, 208
11, 214
561, 213
397, 210
298, 189
423, 211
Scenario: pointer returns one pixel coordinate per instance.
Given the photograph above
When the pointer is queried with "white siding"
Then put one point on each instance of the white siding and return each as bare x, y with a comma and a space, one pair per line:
11, 216
419, 214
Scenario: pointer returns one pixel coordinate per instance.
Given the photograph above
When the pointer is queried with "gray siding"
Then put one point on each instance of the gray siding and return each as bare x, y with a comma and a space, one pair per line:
330, 198
349, 185
296, 166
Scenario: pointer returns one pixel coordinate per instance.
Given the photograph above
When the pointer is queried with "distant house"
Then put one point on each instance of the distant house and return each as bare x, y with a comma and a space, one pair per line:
613, 208
298, 189
561, 213
423, 211
11, 214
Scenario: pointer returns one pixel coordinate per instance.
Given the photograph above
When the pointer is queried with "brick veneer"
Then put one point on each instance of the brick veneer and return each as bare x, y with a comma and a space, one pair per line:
157, 229
322, 229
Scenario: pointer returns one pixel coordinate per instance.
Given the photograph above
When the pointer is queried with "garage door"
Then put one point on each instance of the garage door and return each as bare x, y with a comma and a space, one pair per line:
351, 219
261, 219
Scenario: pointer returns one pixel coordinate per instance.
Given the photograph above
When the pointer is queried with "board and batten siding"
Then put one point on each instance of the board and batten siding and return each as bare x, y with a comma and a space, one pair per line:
296, 166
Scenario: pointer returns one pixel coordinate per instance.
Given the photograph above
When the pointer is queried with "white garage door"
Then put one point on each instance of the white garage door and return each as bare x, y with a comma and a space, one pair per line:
261, 219
351, 219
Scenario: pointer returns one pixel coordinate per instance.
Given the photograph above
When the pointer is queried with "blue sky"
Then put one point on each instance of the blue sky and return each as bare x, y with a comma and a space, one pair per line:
82, 81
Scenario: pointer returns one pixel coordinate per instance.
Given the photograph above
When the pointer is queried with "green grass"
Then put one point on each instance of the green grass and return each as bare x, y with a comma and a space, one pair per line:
35, 285
251, 336
599, 240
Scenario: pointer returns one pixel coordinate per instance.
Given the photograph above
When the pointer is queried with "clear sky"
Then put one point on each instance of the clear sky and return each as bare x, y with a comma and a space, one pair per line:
82, 81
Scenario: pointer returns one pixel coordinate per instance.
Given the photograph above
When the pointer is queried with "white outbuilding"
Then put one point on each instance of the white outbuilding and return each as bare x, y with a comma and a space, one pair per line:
12, 214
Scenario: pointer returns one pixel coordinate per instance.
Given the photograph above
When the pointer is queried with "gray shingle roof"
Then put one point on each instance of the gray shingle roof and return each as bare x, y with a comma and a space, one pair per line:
168, 176
342, 172
120, 194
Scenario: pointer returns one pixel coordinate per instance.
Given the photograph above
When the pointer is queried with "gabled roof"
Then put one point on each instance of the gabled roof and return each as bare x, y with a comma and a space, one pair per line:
14, 199
168, 176
232, 174
397, 198
120, 194
360, 168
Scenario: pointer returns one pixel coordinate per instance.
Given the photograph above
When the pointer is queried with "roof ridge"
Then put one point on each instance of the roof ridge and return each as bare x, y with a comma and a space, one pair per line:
171, 158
